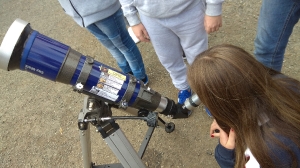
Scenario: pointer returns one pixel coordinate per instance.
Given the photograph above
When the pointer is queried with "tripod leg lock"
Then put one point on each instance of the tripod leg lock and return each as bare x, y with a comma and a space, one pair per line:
108, 128
82, 125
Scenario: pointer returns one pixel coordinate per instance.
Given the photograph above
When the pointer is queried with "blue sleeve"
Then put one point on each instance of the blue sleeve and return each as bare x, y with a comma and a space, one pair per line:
284, 159
225, 157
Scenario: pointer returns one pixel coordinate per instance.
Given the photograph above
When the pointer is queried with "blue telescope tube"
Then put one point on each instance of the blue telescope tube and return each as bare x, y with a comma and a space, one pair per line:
46, 57
56, 61
26, 49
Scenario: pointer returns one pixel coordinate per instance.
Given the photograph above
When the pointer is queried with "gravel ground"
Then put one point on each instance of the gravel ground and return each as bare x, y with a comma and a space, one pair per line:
39, 117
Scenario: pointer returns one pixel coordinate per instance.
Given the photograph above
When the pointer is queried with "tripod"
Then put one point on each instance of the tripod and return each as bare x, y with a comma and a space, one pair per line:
98, 113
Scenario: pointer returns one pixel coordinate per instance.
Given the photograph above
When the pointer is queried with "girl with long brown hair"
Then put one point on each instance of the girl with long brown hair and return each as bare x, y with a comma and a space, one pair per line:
255, 108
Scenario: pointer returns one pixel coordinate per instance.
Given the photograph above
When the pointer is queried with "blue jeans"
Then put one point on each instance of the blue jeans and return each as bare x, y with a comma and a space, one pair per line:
275, 25
113, 34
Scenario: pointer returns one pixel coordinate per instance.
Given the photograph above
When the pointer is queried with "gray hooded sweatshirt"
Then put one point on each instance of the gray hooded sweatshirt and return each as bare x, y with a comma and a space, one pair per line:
166, 8
86, 12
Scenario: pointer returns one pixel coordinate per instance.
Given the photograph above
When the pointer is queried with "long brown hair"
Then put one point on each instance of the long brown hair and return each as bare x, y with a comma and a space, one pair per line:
258, 103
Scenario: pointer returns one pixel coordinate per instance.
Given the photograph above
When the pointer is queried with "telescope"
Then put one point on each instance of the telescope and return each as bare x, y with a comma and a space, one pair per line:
26, 49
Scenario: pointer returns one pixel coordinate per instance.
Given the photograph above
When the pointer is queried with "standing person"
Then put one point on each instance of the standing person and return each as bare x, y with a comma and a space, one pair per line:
275, 25
174, 27
256, 109
105, 20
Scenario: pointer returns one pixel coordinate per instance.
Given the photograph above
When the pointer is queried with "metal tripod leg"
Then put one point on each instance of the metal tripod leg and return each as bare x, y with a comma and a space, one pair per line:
84, 135
85, 142
120, 146
145, 142
123, 150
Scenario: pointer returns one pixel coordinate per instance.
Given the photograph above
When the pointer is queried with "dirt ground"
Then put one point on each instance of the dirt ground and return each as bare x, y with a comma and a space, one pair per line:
38, 118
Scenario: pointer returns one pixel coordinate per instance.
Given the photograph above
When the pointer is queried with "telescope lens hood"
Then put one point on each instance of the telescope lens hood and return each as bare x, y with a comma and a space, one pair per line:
12, 45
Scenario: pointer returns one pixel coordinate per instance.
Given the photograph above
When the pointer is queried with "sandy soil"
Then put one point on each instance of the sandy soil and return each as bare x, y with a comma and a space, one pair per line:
38, 118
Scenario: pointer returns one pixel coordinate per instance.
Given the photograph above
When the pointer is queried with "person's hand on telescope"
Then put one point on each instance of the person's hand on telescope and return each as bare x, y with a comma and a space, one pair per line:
140, 32
228, 141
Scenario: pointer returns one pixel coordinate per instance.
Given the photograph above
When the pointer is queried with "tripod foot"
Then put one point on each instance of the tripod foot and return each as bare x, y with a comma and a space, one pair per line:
170, 127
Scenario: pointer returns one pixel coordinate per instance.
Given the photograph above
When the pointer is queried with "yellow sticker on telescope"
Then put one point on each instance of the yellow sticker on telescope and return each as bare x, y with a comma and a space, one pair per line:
113, 73
116, 74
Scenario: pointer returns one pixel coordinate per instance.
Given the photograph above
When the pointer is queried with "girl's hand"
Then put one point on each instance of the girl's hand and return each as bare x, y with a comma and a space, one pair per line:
228, 141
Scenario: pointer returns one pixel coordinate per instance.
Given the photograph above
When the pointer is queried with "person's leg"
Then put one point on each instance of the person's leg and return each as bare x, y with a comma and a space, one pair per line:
192, 35
167, 47
275, 25
114, 51
115, 28
191, 32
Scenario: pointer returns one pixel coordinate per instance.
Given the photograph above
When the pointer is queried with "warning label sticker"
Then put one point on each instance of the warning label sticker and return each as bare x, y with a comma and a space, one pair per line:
109, 84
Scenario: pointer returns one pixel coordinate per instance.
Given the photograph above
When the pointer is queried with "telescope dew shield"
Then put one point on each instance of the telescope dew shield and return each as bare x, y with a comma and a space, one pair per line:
12, 44
26, 49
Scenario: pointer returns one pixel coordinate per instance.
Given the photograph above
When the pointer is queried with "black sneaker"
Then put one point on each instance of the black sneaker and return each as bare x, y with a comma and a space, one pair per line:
184, 57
